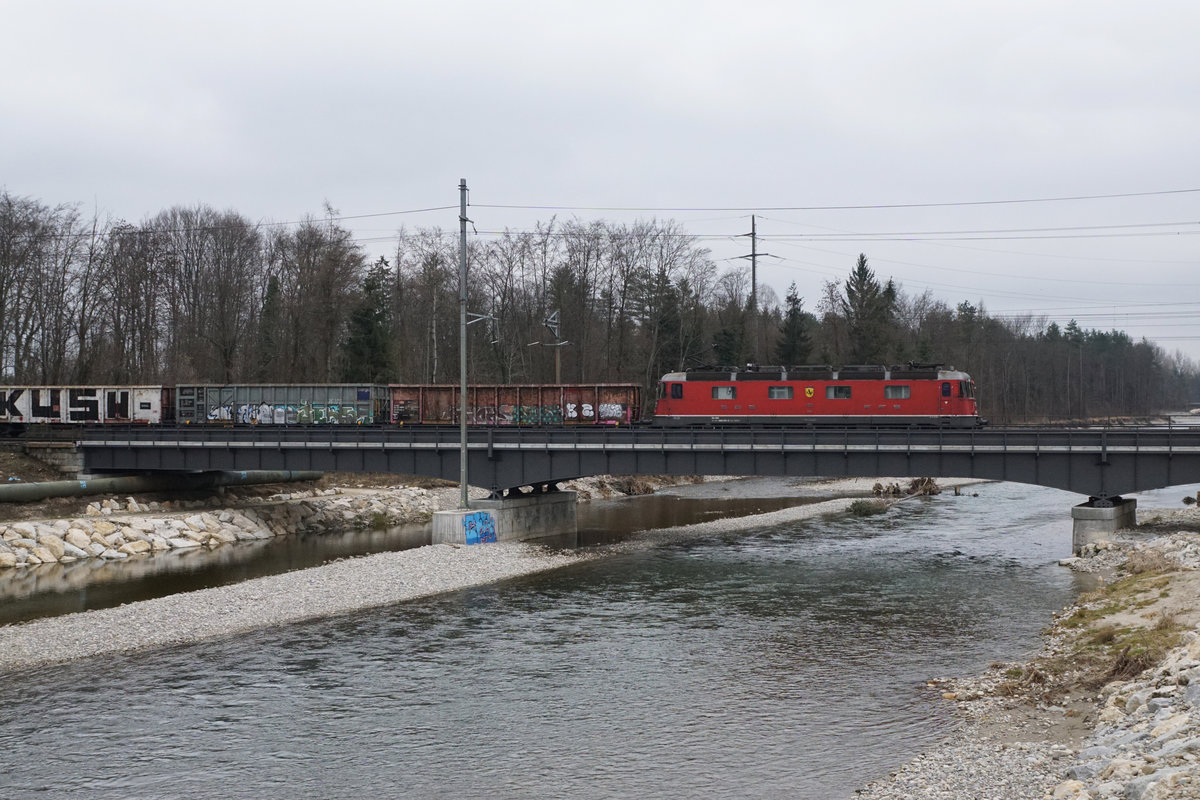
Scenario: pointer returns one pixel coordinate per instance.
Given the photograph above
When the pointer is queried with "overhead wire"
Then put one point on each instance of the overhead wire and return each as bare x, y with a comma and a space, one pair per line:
858, 207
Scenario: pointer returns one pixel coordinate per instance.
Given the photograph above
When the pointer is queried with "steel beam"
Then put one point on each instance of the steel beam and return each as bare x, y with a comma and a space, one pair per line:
1095, 462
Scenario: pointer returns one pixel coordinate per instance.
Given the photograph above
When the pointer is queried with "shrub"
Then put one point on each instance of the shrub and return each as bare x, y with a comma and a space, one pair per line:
867, 508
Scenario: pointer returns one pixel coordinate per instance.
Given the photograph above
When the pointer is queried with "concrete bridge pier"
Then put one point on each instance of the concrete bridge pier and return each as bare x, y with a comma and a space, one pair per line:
1099, 518
514, 518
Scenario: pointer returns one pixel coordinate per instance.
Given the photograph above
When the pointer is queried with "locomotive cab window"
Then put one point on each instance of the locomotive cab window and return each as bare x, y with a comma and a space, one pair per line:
724, 392
897, 392
779, 392
946, 389
966, 388
676, 391
837, 392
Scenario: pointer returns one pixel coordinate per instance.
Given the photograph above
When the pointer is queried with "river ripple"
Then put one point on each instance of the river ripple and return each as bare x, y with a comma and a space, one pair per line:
784, 661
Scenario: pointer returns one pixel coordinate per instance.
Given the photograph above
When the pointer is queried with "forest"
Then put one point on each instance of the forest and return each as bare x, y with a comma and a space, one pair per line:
193, 294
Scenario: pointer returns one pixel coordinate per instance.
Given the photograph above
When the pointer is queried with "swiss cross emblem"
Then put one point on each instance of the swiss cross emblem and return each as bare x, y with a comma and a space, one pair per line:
808, 391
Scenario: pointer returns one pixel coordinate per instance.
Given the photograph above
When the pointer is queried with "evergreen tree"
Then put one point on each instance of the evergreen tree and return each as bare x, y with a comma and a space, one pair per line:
368, 348
795, 343
868, 308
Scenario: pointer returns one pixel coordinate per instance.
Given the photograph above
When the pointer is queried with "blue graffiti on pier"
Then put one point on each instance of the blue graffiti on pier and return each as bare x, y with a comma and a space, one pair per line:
479, 527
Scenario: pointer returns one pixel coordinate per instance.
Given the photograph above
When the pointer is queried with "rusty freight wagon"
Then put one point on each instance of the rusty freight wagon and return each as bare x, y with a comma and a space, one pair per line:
528, 404
281, 404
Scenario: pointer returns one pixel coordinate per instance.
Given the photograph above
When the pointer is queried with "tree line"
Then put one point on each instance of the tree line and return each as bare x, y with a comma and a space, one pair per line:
193, 294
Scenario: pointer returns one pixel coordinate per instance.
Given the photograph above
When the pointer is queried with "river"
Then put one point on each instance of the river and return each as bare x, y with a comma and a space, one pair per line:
785, 661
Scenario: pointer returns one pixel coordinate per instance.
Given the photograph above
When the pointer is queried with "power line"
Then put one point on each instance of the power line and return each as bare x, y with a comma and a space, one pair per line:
820, 236
921, 238
129, 229
859, 207
1009, 275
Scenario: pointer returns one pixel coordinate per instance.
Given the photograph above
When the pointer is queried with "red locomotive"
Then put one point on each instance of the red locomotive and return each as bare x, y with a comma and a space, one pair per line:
914, 394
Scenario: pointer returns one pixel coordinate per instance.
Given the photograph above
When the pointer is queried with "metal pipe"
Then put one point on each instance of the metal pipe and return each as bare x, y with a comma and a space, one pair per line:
26, 492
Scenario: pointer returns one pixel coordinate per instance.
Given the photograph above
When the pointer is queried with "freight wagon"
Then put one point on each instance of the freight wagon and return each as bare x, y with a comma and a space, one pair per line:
529, 404
281, 404
21, 406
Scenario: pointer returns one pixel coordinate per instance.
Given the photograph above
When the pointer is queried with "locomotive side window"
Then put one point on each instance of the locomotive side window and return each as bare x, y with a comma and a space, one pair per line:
676, 391
837, 392
779, 392
724, 392
946, 389
897, 392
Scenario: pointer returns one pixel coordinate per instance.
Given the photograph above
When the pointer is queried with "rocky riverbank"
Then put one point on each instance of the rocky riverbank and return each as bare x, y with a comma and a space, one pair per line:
1111, 706
116, 529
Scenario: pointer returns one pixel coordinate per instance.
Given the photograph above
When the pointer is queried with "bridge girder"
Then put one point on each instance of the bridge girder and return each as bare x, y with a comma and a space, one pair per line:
1095, 462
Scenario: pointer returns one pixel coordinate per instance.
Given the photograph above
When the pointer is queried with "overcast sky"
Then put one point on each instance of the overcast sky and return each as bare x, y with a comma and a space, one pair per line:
877, 127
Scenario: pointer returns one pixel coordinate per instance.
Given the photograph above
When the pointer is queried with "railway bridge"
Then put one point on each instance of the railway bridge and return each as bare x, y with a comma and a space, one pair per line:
1100, 463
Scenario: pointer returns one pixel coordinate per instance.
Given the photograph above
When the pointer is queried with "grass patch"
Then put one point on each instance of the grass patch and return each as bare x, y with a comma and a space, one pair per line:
867, 508
1149, 562
1102, 651
1105, 634
1086, 616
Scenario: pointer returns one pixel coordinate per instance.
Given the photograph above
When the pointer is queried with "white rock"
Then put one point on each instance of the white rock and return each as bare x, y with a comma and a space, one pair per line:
78, 538
182, 543
44, 555
74, 552
54, 544
1171, 725
1068, 790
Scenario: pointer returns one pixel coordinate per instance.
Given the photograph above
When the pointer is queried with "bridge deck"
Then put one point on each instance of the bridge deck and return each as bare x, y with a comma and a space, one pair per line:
1093, 461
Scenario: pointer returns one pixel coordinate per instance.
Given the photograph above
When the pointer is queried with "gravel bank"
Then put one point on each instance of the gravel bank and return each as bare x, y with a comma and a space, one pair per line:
328, 590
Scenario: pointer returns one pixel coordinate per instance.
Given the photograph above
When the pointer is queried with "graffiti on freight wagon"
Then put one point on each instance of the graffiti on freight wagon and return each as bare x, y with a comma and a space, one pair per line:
291, 414
530, 415
78, 404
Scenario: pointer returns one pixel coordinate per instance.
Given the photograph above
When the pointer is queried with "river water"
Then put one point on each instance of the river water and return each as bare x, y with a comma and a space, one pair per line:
785, 661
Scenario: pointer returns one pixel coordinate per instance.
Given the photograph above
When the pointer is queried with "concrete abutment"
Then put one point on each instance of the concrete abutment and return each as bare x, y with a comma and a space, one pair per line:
509, 519
1099, 519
